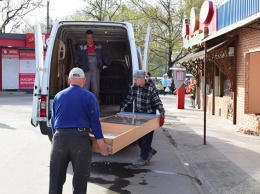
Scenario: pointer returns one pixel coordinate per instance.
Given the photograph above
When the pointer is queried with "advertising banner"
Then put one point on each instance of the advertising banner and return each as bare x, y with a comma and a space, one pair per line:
30, 40
10, 53
26, 81
179, 76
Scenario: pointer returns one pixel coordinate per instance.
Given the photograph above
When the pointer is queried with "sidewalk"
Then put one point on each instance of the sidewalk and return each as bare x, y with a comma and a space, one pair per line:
230, 160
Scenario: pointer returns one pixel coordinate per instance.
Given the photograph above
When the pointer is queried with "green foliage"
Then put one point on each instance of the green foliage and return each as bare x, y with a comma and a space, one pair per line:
164, 16
102, 10
190, 4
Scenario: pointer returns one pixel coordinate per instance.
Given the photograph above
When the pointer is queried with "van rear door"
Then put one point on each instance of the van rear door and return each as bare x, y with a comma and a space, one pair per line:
39, 74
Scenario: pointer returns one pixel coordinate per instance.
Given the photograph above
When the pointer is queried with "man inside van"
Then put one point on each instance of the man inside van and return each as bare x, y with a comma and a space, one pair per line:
91, 58
75, 111
148, 101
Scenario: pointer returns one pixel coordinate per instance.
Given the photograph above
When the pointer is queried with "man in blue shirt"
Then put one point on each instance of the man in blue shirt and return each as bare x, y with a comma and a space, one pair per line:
75, 112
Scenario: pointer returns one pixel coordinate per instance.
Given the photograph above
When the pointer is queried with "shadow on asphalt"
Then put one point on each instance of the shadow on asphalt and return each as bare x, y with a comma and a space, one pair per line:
4, 126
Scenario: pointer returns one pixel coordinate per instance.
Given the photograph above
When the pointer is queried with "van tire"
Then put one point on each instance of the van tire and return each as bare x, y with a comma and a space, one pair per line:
45, 130
50, 137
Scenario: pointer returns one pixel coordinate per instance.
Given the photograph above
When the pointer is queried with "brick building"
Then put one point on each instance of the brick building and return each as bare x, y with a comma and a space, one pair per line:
229, 56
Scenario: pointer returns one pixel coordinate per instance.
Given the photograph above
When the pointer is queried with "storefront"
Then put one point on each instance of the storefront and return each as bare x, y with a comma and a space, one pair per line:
231, 57
17, 61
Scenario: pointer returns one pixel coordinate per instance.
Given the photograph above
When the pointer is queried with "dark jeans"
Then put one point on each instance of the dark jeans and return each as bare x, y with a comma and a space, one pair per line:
145, 143
70, 146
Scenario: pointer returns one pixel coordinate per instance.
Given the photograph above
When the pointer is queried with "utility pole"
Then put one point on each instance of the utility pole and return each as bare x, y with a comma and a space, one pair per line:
48, 18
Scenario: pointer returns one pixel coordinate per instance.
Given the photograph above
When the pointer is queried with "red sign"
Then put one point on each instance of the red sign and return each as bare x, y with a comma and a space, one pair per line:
26, 80
200, 26
27, 55
10, 53
30, 40
206, 12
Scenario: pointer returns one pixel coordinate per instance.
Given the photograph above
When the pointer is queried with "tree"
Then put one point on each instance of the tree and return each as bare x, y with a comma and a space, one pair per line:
13, 12
190, 4
166, 18
101, 10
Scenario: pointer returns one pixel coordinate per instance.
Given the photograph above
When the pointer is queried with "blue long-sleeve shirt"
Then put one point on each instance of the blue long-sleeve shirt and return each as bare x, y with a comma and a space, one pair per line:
75, 107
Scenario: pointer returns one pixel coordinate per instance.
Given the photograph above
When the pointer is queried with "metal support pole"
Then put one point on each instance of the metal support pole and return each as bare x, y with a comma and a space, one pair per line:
214, 92
205, 104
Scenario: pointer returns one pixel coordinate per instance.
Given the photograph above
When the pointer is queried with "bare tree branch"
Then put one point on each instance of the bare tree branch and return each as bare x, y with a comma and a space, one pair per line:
14, 11
166, 17
101, 10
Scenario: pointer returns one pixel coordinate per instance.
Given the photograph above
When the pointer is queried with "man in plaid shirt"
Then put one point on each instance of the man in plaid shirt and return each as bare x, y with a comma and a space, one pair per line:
148, 101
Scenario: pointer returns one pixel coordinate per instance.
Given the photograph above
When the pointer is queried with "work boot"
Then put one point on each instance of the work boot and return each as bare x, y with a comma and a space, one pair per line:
151, 154
140, 162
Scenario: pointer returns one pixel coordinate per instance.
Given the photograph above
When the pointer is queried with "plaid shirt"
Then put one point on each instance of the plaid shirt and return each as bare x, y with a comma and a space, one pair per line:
146, 98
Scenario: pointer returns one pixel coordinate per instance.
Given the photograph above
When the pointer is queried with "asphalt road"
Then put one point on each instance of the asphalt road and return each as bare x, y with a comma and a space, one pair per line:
24, 163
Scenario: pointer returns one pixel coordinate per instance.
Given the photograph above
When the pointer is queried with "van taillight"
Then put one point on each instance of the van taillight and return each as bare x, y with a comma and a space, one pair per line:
43, 106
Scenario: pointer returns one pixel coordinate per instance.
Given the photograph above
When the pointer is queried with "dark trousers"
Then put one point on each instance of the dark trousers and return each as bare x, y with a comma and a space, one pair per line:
145, 143
70, 146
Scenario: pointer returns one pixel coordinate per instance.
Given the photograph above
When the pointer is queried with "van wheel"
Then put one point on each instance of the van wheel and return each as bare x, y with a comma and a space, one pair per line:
45, 130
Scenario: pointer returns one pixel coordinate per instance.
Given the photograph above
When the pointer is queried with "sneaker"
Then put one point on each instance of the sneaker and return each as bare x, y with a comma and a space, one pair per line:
140, 162
151, 154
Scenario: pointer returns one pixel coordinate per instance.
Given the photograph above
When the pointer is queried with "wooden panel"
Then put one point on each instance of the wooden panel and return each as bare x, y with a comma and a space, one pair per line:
123, 129
254, 80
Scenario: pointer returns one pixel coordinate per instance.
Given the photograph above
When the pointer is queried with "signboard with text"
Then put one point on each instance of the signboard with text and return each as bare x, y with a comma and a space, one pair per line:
179, 75
30, 40
26, 54
26, 81
10, 53
200, 25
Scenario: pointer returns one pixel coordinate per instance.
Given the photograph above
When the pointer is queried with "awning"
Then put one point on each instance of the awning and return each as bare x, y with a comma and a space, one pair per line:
233, 26
193, 56
201, 54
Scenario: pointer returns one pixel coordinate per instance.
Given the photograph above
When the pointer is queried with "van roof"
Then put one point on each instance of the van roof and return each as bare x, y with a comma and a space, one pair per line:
103, 31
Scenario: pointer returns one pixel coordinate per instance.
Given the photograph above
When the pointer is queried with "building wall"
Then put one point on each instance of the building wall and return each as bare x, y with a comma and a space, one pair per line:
249, 41
221, 106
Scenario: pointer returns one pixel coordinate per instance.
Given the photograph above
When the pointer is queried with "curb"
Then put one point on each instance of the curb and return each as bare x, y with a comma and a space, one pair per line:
13, 93
199, 179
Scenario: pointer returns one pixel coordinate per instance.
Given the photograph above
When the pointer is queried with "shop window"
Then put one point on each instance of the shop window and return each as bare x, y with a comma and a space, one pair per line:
224, 85
208, 89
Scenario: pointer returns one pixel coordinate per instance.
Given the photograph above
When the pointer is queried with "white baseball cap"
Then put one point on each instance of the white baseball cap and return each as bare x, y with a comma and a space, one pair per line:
76, 73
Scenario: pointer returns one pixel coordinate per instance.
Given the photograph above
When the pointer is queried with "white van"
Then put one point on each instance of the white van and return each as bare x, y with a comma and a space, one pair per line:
51, 75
